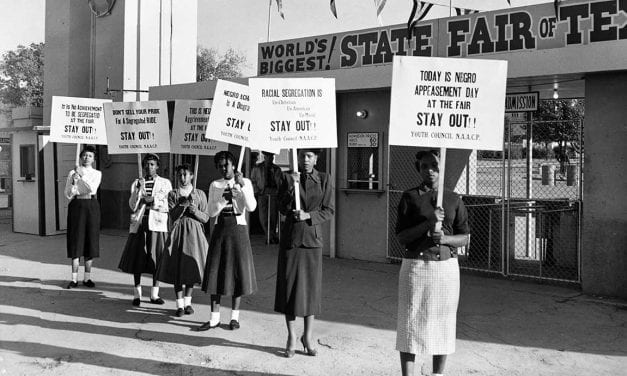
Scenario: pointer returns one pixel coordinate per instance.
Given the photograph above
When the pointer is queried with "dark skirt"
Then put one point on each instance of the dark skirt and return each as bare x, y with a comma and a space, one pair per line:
185, 254
143, 250
83, 228
230, 269
299, 281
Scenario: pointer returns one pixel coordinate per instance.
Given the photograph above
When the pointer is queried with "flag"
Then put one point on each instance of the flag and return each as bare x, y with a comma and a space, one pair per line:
333, 10
461, 11
509, 2
417, 15
556, 4
279, 5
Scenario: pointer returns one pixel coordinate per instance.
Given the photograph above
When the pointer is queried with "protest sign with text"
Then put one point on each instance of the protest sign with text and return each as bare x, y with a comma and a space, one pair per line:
448, 103
78, 120
294, 112
137, 127
189, 126
230, 115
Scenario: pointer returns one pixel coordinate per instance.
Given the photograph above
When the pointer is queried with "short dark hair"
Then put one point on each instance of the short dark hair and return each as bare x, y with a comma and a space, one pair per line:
422, 153
316, 151
88, 148
151, 157
184, 166
226, 155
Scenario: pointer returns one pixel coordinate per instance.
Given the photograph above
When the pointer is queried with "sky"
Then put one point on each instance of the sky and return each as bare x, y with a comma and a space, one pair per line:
242, 24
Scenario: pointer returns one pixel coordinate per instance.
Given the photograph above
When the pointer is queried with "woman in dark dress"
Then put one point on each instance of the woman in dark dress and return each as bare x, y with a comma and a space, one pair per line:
83, 216
428, 292
229, 269
183, 262
299, 269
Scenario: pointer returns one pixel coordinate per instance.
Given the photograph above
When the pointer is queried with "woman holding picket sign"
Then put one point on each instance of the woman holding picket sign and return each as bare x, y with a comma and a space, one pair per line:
429, 276
183, 262
299, 267
229, 269
148, 229
83, 216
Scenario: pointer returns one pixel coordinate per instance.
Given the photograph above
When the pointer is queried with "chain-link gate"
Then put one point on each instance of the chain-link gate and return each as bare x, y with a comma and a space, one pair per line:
524, 204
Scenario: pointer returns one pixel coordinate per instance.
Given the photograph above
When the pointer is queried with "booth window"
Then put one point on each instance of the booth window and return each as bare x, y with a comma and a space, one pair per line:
27, 161
363, 158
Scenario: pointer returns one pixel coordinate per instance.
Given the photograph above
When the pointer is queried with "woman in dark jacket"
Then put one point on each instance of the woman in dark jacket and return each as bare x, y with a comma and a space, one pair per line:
299, 270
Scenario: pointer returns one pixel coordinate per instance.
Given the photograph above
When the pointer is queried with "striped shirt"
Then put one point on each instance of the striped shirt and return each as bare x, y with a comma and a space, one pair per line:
149, 184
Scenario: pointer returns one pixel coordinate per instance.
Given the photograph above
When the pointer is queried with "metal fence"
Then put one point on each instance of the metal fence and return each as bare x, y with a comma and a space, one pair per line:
524, 204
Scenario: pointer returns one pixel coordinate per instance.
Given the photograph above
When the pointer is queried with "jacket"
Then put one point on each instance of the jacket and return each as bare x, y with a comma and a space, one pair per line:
158, 215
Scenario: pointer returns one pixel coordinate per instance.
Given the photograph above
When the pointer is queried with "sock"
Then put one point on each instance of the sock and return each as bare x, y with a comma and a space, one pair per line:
214, 319
154, 293
179, 303
437, 374
137, 292
235, 314
87, 276
187, 300
74, 277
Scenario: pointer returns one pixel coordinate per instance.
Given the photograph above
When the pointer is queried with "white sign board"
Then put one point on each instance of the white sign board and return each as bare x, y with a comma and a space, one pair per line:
522, 102
448, 103
137, 127
294, 112
230, 115
78, 120
188, 129
363, 140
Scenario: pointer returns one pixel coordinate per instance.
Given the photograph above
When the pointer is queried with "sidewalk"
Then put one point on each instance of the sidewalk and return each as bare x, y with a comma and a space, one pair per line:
504, 327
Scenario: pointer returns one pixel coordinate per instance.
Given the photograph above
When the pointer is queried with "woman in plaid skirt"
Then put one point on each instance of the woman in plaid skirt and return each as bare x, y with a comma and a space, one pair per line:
429, 275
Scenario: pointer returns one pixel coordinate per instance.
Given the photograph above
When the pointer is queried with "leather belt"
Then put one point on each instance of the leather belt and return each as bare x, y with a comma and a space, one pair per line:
443, 254
85, 197
230, 214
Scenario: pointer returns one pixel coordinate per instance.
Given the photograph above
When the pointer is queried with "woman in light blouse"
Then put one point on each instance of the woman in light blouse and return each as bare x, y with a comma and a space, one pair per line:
229, 268
83, 217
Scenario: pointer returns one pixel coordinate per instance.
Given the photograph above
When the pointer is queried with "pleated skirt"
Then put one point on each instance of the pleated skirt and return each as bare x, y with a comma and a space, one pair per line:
184, 258
83, 228
428, 296
229, 269
143, 250
299, 282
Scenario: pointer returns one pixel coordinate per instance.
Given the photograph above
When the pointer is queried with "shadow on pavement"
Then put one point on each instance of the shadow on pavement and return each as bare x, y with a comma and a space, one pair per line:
109, 361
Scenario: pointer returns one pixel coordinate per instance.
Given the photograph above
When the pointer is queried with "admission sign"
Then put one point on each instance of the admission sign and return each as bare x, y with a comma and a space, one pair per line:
78, 120
189, 126
448, 103
294, 112
137, 127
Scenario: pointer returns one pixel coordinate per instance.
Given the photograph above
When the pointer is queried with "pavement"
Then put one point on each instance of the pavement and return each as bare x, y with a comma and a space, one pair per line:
504, 327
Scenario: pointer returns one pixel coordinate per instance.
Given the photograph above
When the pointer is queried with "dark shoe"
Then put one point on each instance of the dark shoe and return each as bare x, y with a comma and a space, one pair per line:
289, 352
179, 312
136, 302
274, 241
189, 310
207, 326
157, 301
89, 283
307, 350
72, 285
234, 325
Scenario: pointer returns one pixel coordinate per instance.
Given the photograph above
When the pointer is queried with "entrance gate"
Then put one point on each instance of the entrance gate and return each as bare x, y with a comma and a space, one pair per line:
524, 204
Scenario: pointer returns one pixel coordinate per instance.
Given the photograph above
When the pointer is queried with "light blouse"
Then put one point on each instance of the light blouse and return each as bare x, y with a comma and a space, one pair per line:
245, 201
86, 186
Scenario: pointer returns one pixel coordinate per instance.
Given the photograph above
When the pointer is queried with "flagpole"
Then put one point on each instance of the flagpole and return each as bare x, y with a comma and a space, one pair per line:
269, 7
450, 8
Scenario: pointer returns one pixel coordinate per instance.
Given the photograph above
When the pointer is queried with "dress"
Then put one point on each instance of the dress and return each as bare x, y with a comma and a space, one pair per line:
83, 216
148, 229
299, 266
266, 181
429, 276
229, 268
183, 261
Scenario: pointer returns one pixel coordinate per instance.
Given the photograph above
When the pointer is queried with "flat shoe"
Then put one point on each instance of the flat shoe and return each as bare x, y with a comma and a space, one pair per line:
136, 302
207, 326
179, 312
89, 283
157, 301
72, 285
234, 325
189, 310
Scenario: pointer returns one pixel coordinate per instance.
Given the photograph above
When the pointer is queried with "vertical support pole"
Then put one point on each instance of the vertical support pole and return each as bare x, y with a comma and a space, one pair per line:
196, 162
441, 172
269, 222
139, 165
296, 184
240, 161
529, 239
78, 155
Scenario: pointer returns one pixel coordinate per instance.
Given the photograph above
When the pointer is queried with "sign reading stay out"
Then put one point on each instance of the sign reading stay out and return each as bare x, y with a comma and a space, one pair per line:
137, 127
448, 103
78, 120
